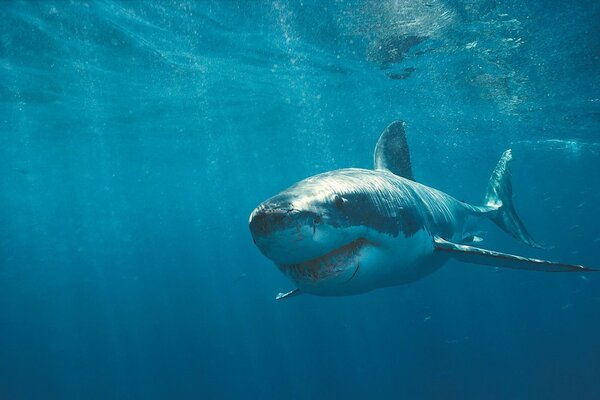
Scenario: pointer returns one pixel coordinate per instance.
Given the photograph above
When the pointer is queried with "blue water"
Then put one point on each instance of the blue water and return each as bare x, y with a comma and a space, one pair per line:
136, 138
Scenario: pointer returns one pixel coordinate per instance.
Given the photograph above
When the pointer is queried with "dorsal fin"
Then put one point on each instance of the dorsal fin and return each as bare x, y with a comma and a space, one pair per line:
391, 151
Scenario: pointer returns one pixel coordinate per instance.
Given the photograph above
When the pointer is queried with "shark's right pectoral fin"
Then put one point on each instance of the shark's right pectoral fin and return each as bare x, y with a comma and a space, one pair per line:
476, 255
281, 296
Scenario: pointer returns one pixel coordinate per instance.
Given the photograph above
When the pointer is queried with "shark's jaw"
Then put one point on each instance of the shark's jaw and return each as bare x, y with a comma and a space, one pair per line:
332, 269
319, 258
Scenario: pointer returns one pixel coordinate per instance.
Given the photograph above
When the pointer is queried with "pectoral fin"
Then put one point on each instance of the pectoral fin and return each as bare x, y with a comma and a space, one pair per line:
281, 296
476, 255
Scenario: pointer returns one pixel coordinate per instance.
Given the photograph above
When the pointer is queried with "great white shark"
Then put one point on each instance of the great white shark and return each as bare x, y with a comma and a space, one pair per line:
353, 230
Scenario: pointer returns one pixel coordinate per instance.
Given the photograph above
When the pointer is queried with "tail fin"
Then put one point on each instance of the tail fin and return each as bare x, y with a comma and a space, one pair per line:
499, 194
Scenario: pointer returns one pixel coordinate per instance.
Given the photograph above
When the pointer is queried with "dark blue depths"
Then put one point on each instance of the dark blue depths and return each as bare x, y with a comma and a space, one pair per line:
136, 138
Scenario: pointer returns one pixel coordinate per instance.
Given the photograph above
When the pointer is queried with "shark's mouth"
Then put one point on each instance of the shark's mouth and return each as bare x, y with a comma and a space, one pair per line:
342, 262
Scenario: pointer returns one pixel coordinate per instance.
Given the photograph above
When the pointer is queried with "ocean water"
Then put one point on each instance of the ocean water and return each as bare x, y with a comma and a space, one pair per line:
137, 137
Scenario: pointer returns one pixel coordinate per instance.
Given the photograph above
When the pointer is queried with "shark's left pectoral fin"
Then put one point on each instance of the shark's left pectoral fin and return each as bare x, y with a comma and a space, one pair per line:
291, 293
476, 255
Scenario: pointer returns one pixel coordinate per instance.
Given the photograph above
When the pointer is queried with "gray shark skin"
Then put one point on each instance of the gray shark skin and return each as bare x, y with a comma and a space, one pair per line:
354, 230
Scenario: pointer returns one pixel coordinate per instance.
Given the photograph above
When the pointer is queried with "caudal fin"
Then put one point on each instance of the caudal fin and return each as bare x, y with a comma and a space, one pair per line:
499, 195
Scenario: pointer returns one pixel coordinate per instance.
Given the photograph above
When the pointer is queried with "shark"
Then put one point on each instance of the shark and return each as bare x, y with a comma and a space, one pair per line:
354, 230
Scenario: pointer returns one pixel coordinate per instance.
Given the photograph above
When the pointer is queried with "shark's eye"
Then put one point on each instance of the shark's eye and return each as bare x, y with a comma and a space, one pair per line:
317, 220
339, 201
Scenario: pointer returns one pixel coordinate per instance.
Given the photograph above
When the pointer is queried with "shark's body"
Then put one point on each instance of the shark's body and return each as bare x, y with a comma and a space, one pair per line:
353, 230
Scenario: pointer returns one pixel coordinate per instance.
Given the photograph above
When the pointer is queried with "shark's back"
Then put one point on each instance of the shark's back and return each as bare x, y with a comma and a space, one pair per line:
404, 205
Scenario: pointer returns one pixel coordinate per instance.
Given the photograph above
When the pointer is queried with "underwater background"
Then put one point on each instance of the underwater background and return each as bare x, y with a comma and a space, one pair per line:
137, 137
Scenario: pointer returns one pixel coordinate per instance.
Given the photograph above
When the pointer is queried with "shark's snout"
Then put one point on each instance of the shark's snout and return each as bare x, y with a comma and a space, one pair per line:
268, 219
283, 233
265, 220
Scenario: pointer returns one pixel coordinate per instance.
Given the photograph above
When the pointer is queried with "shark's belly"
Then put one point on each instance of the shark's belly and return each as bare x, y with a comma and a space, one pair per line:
397, 261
